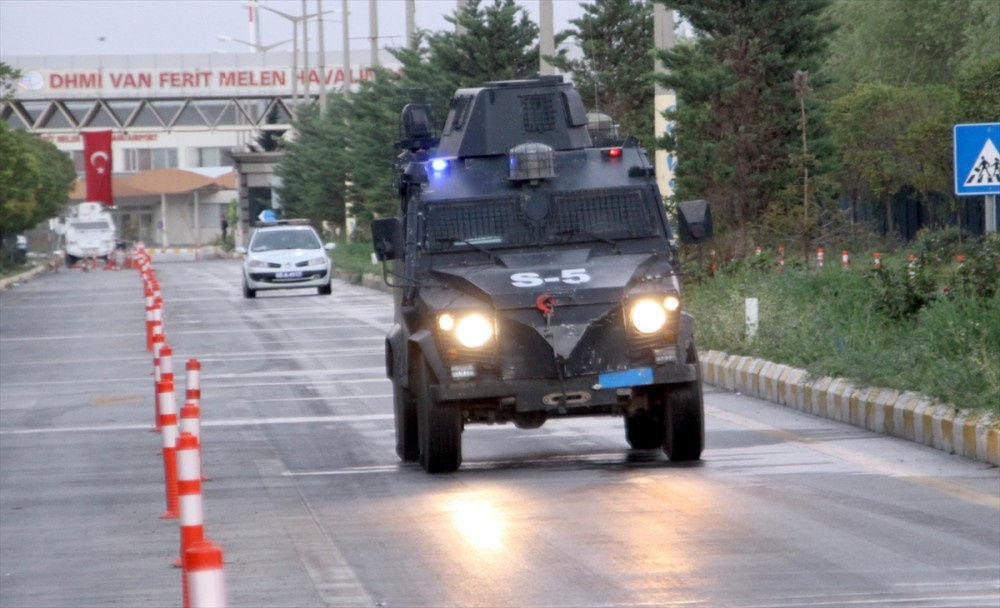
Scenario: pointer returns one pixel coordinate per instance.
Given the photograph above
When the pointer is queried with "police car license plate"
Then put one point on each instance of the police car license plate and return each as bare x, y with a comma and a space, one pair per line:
288, 274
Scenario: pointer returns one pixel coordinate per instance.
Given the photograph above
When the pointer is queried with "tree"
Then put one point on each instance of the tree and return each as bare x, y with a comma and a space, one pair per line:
893, 137
374, 127
910, 42
499, 43
979, 95
8, 81
312, 168
737, 119
35, 178
615, 74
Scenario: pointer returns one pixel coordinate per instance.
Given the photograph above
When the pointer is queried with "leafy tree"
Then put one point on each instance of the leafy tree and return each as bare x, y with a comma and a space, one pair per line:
738, 118
499, 43
979, 95
374, 127
8, 81
312, 168
35, 178
910, 42
892, 137
615, 74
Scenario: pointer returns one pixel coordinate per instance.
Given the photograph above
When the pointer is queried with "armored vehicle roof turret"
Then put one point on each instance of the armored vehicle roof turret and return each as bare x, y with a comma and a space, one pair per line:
492, 119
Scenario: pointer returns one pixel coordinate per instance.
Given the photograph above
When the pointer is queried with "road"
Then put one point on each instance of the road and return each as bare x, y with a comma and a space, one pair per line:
312, 508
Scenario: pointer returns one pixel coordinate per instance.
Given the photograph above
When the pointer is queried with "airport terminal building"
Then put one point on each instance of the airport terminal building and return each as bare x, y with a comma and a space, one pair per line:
184, 129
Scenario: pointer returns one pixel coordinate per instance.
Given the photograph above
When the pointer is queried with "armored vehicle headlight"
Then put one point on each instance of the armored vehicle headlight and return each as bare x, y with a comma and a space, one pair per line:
671, 303
446, 322
648, 316
473, 331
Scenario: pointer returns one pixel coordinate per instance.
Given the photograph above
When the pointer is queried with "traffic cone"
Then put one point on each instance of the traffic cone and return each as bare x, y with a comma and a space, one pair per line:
168, 427
203, 569
192, 518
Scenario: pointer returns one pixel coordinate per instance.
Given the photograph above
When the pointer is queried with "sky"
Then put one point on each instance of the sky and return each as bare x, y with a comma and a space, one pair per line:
124, 27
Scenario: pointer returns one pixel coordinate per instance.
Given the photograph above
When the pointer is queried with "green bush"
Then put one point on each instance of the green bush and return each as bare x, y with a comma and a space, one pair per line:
933, 329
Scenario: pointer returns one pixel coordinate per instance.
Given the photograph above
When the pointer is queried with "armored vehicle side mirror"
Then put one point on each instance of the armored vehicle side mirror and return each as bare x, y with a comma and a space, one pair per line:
387, 237
695, 222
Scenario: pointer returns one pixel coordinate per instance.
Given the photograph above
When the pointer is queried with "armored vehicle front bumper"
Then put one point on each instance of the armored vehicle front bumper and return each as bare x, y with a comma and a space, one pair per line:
582, 393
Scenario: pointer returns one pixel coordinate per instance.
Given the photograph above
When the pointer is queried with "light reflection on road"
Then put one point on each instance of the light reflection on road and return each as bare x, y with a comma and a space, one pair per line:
478, 521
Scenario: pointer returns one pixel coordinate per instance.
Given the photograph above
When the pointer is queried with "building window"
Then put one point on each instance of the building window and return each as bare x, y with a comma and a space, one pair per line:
77, 157
150, 158
209, 157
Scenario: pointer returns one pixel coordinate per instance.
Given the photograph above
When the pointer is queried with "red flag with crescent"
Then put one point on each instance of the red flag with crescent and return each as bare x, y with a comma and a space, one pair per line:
97, 158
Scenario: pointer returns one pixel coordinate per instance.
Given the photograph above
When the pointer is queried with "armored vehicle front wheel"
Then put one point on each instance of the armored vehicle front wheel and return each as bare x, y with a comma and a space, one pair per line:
647, 429
439, 428
407, 442
685, 413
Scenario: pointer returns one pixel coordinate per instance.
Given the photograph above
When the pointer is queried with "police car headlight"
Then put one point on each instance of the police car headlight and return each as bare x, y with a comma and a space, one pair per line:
648, 316
255, 263
317, 261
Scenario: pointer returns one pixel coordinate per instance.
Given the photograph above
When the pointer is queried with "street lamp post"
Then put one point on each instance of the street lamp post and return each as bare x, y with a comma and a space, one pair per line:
260, 48
296, 20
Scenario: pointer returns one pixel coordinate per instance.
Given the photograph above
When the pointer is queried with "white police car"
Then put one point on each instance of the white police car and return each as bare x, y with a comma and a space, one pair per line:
285, 255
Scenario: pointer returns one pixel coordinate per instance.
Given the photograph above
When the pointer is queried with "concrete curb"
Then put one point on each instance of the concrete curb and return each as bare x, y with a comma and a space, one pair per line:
906, 415
24, 276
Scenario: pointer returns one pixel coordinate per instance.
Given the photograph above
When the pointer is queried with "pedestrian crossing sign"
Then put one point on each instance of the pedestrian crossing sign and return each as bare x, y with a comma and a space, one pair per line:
977, 159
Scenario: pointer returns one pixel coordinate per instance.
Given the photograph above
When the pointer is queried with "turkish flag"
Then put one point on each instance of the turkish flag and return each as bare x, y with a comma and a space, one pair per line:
97, 156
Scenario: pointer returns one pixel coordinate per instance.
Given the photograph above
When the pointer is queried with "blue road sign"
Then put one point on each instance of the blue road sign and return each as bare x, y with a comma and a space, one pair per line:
977, 159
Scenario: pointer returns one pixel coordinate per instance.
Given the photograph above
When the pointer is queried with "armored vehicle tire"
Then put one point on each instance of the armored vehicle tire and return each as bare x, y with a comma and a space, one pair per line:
247, 292
647, 429
407, 442
685, 426
439, 429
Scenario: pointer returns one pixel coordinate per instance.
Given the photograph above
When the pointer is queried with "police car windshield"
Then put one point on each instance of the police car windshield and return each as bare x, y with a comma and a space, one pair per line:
270, 240
589, 216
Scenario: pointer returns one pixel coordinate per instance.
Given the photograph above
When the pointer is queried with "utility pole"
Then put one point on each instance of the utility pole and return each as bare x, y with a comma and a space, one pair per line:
460, 6
373, 29
546, 38
303, 19
322, 58
347, 47
305, 50
664, 99
411, 23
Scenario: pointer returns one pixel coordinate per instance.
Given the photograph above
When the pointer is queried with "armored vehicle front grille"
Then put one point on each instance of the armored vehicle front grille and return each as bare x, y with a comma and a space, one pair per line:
477, 221
620, 212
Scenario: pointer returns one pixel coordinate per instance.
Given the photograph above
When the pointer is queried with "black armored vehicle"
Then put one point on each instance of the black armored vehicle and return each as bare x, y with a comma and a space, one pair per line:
534, 277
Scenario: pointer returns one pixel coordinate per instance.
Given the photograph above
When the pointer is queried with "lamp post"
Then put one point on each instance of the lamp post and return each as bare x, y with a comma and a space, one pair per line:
260, 48
296, 20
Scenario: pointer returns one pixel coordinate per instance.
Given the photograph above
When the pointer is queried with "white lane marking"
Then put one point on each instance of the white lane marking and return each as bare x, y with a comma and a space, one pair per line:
241, 376
872, 463
235, 422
